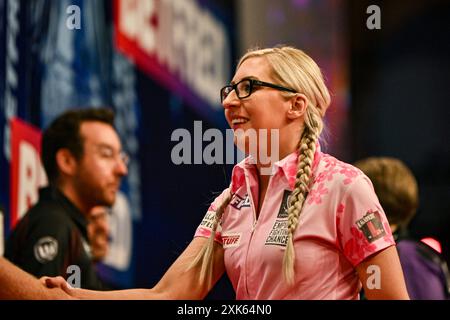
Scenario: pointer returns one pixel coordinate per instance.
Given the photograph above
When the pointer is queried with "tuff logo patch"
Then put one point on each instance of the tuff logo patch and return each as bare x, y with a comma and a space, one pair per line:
231, 240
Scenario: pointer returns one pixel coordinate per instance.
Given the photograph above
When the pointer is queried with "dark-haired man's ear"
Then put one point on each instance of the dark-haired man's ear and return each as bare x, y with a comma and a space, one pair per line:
298, 106
66, 162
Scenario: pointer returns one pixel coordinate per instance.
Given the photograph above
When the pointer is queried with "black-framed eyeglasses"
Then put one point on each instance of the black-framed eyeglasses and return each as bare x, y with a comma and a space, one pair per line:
244, 88
106, 152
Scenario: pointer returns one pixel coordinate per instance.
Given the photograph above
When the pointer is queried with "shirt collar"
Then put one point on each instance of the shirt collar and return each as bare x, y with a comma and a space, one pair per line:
75, 214
288, 166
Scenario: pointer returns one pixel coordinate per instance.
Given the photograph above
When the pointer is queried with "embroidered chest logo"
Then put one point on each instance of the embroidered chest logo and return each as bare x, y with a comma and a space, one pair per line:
231, 240
283, 212
371, 226
238, 202
279, 233
46, 249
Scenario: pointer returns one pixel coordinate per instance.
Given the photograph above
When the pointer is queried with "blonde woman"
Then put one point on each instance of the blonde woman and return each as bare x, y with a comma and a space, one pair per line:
313, 229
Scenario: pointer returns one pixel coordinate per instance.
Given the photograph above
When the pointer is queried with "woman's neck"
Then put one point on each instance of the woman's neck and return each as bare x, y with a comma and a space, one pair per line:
286, 145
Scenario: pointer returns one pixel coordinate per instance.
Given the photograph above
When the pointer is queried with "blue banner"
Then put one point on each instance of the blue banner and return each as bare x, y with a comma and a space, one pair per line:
19, 36
57, 55
80, 68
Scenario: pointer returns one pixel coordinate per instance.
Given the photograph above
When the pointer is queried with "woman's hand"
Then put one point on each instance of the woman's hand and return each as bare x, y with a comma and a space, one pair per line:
58, 282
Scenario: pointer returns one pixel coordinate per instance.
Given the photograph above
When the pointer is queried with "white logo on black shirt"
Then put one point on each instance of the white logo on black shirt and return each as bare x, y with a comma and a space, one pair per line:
46, 249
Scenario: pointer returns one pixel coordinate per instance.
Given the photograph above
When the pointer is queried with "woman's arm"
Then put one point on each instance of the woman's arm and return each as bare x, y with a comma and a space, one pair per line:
382, 277
177, 283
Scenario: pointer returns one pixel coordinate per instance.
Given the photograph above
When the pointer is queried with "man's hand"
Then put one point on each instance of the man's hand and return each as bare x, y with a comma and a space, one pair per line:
57, 282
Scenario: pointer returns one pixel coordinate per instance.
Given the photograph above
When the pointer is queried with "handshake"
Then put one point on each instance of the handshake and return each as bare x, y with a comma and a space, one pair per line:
60, 283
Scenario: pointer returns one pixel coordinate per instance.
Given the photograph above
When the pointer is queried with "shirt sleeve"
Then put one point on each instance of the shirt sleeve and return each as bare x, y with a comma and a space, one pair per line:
205, 227
43, 251
362, 226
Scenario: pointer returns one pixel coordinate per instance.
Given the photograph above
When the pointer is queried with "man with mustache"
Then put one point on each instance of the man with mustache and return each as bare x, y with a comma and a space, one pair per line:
83, 158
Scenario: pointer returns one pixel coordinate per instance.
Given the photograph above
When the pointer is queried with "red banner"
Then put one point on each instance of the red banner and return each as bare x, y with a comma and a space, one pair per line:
27, 174
178, 43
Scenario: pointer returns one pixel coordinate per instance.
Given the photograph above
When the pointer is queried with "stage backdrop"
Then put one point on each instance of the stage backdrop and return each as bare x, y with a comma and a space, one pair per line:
50, 63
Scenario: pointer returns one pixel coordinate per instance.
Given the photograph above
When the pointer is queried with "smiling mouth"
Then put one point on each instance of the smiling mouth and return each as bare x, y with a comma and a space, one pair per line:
238, 121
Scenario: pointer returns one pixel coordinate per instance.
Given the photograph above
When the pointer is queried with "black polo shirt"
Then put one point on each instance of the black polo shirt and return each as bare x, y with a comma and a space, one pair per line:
51, 240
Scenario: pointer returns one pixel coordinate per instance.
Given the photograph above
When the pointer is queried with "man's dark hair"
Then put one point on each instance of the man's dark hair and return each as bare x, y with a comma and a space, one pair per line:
64, 132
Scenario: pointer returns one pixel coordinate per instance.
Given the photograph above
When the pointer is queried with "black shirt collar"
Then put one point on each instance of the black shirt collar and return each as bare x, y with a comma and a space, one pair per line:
75, 214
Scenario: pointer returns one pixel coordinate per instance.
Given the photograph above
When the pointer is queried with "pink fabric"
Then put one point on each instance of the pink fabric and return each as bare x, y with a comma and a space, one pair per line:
341, 224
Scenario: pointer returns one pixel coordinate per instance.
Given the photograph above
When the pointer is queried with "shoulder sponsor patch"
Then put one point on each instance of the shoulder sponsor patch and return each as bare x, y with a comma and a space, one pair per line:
231, 240
371, 226
208, 220
46, 249
238, 202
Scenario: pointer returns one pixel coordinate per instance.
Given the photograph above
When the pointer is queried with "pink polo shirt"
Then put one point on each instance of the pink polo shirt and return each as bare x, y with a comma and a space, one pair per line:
341, 224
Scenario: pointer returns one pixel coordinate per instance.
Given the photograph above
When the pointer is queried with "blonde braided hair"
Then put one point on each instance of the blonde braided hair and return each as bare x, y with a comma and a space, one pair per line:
306, 150
205, 257
292, 68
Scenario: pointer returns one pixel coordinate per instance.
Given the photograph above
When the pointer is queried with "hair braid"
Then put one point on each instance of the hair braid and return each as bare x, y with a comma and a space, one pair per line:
205, 256
307, 148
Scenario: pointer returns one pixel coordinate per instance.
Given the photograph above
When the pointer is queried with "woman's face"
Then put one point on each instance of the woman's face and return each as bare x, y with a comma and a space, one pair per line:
265, 108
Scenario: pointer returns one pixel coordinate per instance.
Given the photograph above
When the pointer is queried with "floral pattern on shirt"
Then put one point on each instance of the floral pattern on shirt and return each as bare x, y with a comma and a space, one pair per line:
327, 175
350, 173
330, 162
334, 166
328, 242
355, 245
388, 237
237, 180
291, 173
315, 196
357, 248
